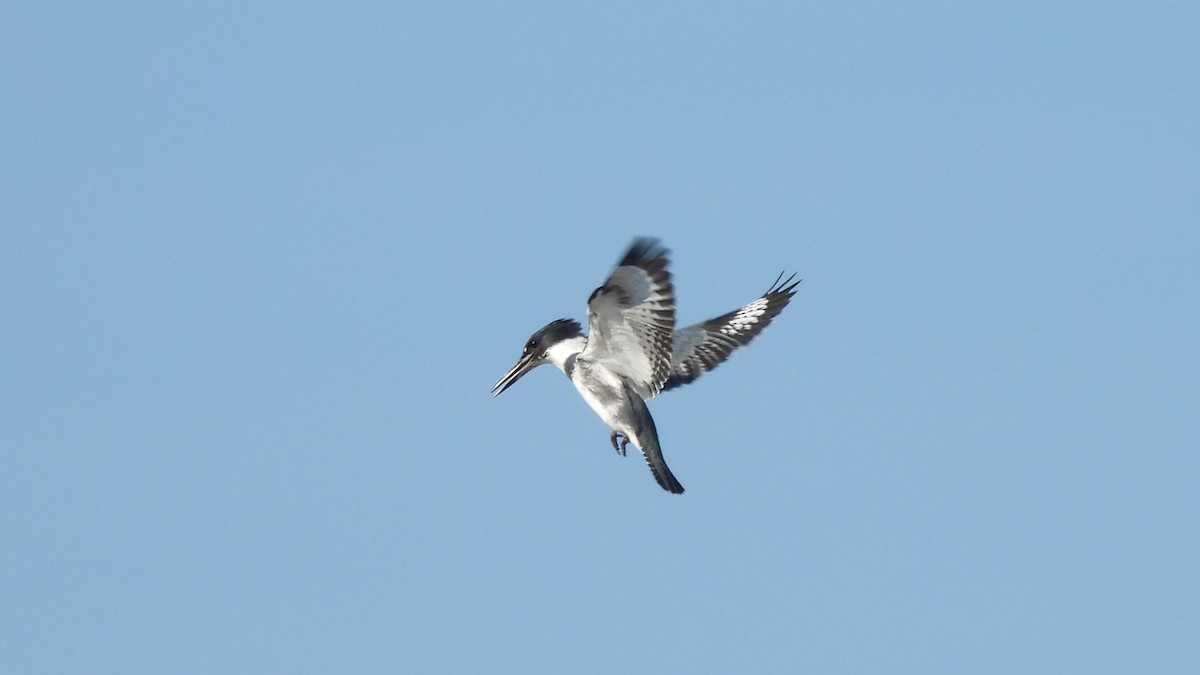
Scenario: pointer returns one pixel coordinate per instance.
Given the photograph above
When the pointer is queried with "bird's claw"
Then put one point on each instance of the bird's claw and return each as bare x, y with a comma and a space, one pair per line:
624, 440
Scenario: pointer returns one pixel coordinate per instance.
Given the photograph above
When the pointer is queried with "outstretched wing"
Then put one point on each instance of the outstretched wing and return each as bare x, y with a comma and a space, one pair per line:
631, 318
701, 347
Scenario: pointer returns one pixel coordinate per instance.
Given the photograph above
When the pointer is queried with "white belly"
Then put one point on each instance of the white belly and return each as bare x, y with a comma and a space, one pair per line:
604, 391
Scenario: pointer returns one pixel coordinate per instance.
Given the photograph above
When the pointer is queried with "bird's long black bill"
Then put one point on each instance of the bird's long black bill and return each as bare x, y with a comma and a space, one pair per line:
524, 365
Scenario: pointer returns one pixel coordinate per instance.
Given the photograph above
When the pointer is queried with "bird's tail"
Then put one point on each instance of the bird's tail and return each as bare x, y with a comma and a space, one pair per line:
645, 436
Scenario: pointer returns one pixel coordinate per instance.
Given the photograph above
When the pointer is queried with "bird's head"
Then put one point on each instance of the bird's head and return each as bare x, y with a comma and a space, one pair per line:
536, 347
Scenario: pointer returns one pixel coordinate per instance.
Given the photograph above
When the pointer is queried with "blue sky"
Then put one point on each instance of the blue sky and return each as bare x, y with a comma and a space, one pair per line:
261, 265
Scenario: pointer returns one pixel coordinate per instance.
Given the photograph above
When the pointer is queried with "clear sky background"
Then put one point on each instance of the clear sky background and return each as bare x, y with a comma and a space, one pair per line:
261, 263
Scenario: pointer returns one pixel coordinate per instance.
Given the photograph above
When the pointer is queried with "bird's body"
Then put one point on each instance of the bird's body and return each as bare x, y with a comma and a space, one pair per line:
625, 413
633, 350
606, 393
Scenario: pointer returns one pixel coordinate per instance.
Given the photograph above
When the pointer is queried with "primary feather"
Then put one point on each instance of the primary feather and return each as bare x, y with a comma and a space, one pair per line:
701, 347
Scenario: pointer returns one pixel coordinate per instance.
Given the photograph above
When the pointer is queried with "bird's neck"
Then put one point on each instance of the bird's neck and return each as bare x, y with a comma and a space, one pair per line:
560, 353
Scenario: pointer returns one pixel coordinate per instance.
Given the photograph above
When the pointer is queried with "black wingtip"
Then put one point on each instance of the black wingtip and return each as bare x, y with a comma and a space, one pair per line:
783, 286
644, 249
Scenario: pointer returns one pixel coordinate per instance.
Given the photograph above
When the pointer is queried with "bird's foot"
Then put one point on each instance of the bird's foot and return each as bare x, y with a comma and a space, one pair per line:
624, 440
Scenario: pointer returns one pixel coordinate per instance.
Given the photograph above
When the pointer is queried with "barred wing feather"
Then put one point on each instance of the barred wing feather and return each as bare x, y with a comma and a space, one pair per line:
632, 316
703, 346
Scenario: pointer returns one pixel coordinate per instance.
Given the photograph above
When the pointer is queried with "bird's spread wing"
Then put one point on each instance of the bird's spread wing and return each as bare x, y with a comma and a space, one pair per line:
701, 347
631, 318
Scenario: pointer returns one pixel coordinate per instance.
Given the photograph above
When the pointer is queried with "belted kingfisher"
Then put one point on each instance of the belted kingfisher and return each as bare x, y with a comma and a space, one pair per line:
633, 351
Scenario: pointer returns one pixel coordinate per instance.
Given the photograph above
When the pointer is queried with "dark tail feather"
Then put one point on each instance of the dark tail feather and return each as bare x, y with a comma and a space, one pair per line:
646, 438
663, 475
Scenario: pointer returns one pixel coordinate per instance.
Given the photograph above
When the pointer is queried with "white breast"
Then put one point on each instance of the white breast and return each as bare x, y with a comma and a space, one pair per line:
603, 390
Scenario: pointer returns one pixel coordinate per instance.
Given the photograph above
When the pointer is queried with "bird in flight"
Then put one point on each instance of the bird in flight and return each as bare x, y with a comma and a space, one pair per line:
633, 352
